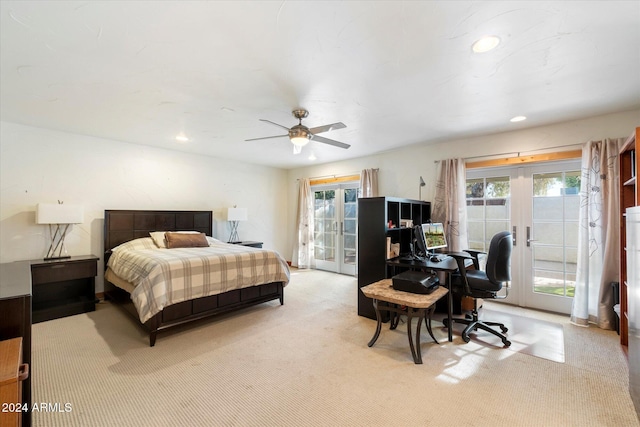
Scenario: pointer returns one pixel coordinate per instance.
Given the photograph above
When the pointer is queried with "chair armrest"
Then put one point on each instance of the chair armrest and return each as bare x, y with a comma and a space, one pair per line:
476, 256
460, 257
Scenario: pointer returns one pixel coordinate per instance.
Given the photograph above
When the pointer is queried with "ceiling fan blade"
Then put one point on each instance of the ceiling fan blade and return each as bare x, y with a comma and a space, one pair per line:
329, 141
273, 123
267, 137
327, 128
297, 149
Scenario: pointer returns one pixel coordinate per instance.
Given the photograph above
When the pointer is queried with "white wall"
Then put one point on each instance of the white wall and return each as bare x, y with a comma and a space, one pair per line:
38, 165
400, 170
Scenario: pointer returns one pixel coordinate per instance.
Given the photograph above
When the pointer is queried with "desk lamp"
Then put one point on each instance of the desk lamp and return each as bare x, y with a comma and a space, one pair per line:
60, 216
422, 184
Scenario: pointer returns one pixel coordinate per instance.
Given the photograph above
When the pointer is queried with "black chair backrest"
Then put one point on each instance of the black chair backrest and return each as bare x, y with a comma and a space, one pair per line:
498, 267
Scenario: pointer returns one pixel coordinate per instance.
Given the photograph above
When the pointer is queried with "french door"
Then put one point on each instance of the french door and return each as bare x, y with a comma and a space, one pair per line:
539, 204
335, 227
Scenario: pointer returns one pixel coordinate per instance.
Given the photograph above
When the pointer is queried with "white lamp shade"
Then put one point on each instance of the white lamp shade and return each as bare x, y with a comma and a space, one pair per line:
236, 214
300, 141
55, 213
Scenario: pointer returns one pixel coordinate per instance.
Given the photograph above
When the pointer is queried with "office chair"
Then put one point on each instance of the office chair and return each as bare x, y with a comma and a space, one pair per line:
484, 284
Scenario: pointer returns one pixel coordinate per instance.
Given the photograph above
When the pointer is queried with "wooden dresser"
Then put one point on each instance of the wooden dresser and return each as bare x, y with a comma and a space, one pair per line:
15, 318
12, 374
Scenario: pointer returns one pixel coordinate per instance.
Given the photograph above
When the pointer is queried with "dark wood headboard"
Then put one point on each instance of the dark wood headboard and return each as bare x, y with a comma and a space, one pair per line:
120, 226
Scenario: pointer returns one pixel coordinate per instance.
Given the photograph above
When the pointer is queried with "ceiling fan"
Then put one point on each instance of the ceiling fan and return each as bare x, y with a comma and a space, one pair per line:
300, 135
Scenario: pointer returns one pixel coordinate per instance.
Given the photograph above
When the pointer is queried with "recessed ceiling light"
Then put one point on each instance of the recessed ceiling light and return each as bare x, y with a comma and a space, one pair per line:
181, 137
518, 119
312, 156
485, 44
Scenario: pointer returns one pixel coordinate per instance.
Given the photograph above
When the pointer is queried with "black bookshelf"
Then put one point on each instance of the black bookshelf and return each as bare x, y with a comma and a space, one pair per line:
380, 218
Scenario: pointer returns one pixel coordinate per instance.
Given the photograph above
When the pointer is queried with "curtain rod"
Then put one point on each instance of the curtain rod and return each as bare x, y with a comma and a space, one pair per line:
337, 176
517, 153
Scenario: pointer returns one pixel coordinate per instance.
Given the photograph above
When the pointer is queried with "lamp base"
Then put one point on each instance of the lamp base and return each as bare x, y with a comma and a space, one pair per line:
233, 238
57, 250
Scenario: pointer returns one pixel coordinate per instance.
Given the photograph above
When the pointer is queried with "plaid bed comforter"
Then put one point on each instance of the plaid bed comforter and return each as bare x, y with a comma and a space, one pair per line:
163, 277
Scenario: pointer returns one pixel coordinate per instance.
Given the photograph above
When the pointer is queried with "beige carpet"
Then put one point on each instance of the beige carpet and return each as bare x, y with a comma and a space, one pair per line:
307, 364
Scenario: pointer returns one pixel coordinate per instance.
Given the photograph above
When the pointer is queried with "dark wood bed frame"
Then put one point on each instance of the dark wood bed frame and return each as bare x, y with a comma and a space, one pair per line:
121, 226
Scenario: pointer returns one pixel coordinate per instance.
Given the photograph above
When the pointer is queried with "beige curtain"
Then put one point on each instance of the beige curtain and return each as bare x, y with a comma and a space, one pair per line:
450, 204
598, 234
369, 183
303, 245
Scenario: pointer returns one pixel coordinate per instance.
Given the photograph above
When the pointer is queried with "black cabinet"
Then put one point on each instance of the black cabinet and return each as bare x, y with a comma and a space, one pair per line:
63, 287
380, 218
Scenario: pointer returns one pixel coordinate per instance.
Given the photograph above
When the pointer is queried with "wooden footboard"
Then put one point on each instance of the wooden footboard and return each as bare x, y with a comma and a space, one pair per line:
189, 311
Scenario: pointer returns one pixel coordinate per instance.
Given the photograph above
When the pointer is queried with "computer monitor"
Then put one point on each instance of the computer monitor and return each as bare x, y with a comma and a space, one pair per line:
434, 236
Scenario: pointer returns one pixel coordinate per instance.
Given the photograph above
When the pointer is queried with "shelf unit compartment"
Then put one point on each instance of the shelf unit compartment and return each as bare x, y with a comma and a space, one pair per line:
405, 211
393, 215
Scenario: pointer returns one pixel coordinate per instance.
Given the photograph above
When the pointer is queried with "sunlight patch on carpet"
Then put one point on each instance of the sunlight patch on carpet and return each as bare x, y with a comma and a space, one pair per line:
529, 336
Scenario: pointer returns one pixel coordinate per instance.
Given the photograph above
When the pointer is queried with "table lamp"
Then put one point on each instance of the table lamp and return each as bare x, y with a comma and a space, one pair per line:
234, 215
60, 216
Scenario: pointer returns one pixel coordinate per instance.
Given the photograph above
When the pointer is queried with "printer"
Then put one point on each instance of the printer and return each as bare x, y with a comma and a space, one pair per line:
416, 282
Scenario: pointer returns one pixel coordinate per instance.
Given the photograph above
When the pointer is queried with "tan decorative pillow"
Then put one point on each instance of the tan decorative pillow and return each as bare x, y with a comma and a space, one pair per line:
159, 240
186, 240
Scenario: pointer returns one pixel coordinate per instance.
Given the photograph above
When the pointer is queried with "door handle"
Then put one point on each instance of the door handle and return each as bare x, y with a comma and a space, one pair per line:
341, 228
514, 236
529, 239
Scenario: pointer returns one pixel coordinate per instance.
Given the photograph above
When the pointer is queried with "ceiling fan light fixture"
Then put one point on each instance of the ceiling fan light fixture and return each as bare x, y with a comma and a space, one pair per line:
299, 137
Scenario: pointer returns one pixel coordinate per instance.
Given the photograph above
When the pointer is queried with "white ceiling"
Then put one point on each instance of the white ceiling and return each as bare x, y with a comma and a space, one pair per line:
395, 72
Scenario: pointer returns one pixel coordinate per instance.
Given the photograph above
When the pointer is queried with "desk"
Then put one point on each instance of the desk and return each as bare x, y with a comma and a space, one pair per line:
447, 265
418, 305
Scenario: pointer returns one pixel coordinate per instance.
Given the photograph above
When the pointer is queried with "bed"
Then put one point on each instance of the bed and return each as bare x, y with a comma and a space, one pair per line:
164, 287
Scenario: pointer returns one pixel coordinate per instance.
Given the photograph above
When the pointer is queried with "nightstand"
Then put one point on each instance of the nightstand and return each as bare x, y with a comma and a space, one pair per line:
249, 243
63, 287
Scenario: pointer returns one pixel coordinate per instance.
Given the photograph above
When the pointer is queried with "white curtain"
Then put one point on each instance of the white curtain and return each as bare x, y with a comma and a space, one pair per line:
450, 203
303, 245
598, 235
369, 183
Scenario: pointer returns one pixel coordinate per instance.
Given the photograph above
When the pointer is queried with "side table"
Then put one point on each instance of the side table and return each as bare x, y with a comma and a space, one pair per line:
249, 243
417, 305
63, 287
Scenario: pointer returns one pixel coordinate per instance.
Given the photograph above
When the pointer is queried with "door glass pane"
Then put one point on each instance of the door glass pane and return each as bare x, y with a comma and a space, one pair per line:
350, 216
324, 224
555, 232
488, 209
547, 184
498, 187
547, 207
549, 233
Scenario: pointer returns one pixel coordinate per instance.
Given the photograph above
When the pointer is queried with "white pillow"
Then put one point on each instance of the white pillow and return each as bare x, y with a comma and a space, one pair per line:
160, 241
